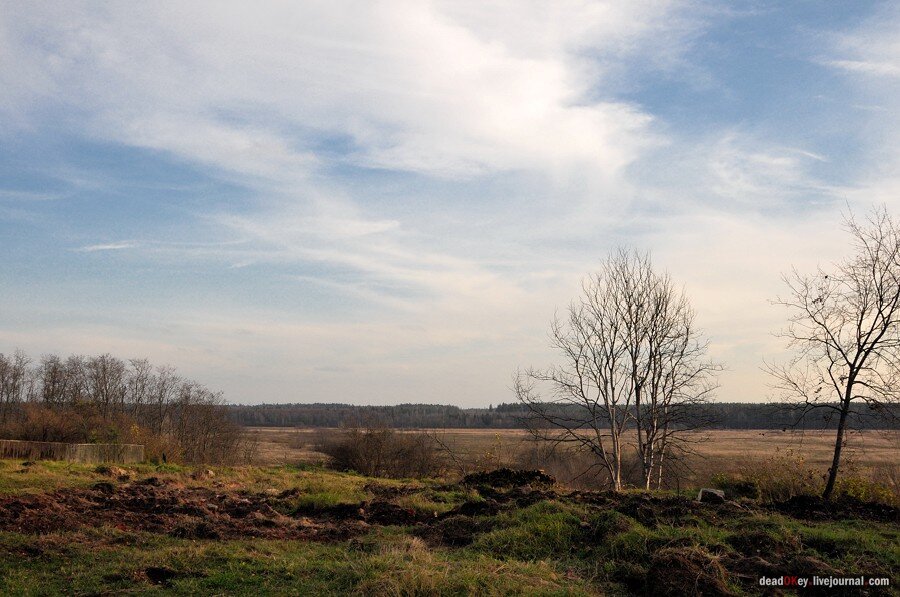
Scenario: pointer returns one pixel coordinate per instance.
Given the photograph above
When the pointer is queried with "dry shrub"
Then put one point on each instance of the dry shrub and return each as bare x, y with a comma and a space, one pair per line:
204, 433
462, 459
576, 468
194, 433
786, 475
887, 475
866, 490
572, 468
382, 452
158, 447
82, 425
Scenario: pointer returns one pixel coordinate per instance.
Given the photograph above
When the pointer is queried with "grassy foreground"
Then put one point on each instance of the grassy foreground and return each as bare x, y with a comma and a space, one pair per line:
77, 529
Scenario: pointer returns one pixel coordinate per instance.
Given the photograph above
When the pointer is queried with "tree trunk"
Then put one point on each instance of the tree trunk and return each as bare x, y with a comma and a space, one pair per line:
838, 445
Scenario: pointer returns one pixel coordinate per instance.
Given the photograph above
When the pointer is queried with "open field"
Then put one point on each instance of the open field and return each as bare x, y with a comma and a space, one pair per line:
69, 528
870, 454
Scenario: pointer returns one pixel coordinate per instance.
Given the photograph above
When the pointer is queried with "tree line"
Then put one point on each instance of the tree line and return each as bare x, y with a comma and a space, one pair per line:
720, 415
105, 399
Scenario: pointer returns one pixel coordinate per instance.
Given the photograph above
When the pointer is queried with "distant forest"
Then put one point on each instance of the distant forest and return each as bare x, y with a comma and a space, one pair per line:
724, 415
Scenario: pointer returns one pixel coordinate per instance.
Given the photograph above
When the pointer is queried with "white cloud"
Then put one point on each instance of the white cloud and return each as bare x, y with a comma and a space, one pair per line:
870, 57
516, 103
869, 68
117, 246
432, 88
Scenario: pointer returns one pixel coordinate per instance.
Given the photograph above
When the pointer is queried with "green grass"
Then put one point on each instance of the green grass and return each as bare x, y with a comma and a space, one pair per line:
541, 531
555, 546
437, 501
44, 475
110, 562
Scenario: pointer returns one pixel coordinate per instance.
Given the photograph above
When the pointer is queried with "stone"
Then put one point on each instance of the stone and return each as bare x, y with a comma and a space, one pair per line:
711, 496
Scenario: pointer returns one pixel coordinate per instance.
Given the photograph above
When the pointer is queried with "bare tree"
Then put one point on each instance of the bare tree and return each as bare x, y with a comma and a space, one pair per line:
632, 361
164, 391
138, 385
106, 376
14, 377
845, 329
53, 379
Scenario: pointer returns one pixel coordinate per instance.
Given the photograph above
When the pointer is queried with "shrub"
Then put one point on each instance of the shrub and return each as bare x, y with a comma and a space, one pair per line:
383, 452
736, 487
78, 424
866, 490
782, 477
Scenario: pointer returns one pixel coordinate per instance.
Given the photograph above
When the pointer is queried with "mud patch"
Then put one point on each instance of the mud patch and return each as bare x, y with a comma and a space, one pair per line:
505, 478
812, 507
651, 510
160, 575
454, 531
168, 508
765, 544
481, 508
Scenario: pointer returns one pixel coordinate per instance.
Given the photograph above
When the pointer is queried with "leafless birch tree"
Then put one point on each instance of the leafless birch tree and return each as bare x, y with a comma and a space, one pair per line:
632, 360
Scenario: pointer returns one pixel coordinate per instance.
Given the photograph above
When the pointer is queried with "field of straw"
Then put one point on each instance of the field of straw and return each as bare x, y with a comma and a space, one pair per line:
870, 454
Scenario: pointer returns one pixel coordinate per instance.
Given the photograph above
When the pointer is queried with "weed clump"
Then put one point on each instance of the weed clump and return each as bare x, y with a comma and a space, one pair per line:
686, 571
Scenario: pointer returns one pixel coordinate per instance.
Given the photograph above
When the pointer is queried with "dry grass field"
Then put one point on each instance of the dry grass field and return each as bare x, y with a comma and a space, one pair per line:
869, 454
303, 529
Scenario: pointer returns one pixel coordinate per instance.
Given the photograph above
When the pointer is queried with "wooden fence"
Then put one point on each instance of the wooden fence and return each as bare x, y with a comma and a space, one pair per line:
92, 453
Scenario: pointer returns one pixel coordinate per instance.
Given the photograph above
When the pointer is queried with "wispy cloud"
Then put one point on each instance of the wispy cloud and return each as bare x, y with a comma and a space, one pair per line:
410, 187
117, 246
14, 195
880, 69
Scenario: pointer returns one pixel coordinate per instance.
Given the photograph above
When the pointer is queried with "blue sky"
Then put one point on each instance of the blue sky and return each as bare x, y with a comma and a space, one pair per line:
386, 202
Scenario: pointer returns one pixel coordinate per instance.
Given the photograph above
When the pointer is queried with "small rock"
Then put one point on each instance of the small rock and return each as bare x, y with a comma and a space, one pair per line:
711, 496
113, 471
203, 474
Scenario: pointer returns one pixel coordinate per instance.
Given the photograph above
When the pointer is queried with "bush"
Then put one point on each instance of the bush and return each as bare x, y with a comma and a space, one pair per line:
782, 477
194, 433
74, 425
736, 487
383, 452
866, 490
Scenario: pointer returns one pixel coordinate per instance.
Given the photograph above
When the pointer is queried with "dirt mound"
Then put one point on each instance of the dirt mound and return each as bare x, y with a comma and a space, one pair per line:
686, 571
163, 506
503, 478
454, 531
481, 508
812, 507
387, 513
652, 510
760, 542
804, 565
169, 508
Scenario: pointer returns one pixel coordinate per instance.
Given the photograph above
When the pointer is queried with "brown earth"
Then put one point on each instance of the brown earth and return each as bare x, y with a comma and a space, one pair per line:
158, 506
165, 506
223, 512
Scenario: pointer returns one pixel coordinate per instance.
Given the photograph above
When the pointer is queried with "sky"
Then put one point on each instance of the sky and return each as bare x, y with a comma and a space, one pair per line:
386, 202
